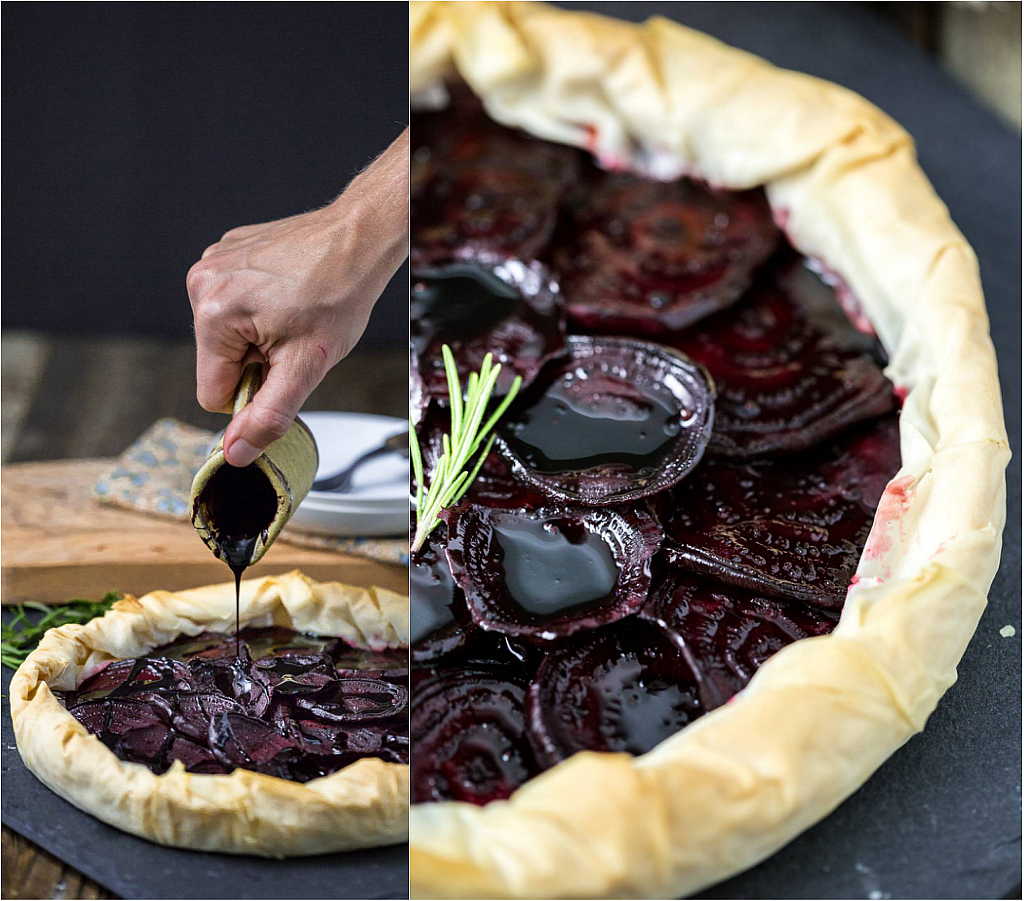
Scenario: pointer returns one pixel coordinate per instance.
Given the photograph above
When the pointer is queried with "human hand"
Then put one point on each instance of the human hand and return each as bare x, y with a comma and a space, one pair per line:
296, 293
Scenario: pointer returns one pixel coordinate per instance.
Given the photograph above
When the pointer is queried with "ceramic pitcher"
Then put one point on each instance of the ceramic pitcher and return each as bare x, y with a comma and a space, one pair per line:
289, 464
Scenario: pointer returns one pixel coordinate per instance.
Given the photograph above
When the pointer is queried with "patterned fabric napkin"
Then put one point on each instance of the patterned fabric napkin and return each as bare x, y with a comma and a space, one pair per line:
154, 475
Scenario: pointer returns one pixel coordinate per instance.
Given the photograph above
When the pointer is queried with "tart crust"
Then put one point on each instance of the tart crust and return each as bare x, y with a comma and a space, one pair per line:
823, 714
363, 805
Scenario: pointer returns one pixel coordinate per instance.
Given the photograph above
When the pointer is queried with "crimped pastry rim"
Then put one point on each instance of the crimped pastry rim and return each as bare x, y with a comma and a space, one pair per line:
824, 713
363, 805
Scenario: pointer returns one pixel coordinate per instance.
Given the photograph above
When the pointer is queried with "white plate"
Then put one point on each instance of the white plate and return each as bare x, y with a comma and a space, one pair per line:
341, 438
378, 503
377, 524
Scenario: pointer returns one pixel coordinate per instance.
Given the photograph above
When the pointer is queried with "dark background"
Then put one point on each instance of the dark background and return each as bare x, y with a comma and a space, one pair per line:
134, 135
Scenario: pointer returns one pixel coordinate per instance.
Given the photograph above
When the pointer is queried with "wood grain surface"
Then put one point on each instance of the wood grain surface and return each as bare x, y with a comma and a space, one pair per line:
66, 398
57, 542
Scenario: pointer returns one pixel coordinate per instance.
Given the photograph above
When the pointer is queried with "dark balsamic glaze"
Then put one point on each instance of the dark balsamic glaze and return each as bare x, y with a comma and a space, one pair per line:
565, 430
612, 690
281, 703
463, 303
439, 620
512, 312
432, 593
546, 573
238, 504
553, 567
609, 421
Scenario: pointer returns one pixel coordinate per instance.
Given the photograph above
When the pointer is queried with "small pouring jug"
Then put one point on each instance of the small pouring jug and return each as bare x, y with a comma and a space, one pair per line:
252, 503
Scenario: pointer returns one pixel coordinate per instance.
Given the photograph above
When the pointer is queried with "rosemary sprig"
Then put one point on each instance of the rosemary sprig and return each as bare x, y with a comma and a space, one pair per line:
19, 636
471, 436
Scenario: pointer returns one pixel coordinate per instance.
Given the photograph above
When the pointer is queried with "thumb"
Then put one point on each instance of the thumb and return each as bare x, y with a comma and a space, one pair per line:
272, 411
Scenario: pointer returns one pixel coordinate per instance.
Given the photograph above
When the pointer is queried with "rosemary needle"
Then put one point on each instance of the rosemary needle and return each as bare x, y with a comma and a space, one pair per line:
464, 448
22, 633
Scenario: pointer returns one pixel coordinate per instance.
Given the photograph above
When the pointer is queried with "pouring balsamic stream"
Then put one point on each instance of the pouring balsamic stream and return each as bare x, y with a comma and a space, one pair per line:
238, 504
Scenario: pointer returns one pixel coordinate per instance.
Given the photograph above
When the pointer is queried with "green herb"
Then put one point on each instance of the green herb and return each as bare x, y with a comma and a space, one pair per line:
22, 634
471, 436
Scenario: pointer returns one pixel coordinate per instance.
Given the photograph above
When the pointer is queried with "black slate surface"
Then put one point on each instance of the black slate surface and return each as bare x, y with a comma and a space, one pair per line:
942, 818
134, 868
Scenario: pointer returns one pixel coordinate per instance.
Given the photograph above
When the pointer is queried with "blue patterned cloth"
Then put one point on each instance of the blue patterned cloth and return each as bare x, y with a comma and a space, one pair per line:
154, 475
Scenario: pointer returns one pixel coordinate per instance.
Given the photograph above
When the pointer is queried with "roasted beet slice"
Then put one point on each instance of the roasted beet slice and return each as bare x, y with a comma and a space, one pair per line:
295, 664
726, 632
116, 716
470, 735
793, 527
194, 756
306, 708
236, 678
790, 369
609, 421
439, 620
191, 711
512, 312
483, 192
390, 664
643, 257
131, 728
551, 572
355, 700
621, 689
126, 677
238, 739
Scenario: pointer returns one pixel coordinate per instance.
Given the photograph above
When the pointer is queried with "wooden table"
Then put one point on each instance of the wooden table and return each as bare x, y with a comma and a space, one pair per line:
69, 398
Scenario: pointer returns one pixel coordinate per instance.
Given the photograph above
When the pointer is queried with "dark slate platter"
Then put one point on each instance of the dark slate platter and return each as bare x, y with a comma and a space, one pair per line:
134, 868
942, 818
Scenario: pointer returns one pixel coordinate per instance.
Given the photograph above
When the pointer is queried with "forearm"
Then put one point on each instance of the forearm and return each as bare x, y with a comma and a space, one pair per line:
376, 204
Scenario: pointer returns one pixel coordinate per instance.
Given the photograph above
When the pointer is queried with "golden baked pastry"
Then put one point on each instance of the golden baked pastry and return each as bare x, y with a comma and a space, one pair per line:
821, 715
361, 805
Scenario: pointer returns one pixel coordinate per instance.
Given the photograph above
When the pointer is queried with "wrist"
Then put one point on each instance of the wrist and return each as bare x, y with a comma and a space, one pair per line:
375, 206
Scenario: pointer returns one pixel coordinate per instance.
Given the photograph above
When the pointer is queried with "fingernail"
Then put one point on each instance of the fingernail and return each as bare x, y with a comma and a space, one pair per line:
241, 453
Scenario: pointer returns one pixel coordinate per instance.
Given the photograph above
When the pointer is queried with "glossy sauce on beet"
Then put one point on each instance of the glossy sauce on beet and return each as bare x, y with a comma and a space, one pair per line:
460, 304
553, 567
565, 429
432, 593
284, 704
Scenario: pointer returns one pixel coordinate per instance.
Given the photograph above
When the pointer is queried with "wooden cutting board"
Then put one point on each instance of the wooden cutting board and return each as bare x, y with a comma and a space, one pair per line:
57, 542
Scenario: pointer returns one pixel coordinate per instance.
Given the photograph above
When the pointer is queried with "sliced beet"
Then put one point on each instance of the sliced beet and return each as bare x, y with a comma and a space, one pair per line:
439, 620
470, 734
307, 707
790, 369
625, 688
512, 312
236, 678
551, 572
727, 632
126, 677
355, 700
483, 192
238, 739
390, 663
116, 716
609, 421
644, 257
192, 711
294, 665
194, 756
794, 527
